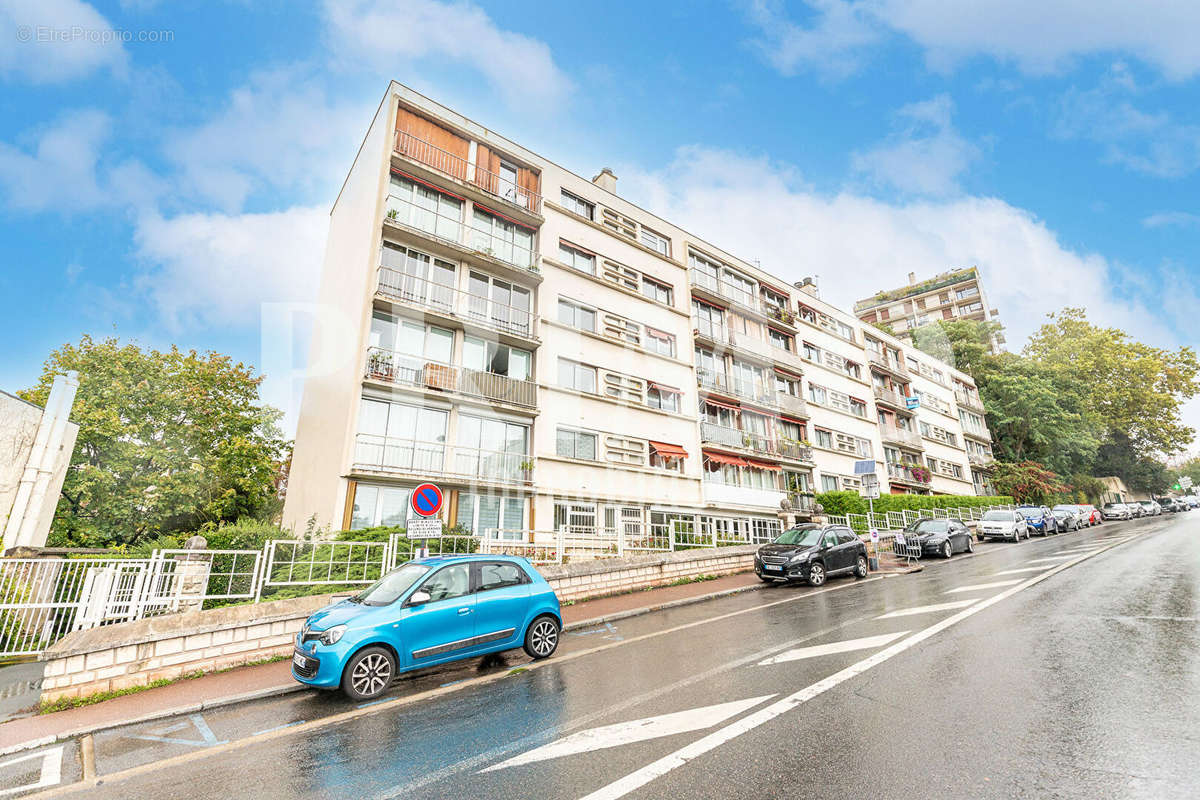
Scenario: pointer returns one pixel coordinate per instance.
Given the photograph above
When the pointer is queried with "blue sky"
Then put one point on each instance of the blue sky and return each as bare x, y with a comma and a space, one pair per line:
167, 186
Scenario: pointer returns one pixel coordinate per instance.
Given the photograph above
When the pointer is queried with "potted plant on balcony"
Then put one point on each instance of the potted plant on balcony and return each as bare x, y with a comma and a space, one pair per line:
379, 365
393, 213
526, 466
921, 474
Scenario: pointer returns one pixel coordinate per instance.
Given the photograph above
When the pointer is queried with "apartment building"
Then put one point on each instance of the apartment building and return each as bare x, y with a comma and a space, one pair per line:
956, 294
553, 355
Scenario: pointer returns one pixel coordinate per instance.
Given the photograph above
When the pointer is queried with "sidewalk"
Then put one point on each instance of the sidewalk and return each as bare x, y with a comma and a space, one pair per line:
248, 683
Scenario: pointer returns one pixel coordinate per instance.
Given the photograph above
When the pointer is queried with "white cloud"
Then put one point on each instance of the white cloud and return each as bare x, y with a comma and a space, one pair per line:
280, 133
1166, 219
52, 41
386, 35
833, 43
215, 270
925, 156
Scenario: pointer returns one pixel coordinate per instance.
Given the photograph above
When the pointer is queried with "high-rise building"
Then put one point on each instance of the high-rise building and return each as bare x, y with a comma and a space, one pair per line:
957, 294
553, 355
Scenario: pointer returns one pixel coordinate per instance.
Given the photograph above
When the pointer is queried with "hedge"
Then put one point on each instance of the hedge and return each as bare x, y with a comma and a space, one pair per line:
841, 503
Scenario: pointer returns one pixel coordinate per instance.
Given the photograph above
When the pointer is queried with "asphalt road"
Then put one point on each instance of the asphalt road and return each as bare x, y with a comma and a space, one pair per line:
1061, 667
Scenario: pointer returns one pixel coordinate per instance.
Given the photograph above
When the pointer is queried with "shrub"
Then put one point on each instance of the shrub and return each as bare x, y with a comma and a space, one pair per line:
841, 503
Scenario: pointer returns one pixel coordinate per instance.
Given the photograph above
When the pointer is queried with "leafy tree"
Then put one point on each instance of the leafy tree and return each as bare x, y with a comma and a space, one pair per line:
1191, 468
1134, 390
962, 343
168, 441
1027, 481
1141, 473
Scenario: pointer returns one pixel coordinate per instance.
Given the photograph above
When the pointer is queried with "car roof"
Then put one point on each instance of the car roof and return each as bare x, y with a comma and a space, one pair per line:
451, 558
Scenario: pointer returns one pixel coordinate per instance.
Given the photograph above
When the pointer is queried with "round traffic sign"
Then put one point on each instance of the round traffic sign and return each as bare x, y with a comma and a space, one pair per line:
427, 500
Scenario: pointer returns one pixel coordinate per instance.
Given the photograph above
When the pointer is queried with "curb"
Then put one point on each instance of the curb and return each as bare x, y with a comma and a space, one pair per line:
276, 691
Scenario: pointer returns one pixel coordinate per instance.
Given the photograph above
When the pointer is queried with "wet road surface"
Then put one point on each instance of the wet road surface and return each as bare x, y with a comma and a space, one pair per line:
985, 676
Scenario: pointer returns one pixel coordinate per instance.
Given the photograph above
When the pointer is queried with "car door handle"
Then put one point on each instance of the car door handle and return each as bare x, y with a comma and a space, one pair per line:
462, 611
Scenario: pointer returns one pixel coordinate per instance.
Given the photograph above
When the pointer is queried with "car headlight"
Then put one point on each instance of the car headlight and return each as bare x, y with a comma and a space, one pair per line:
796, 559
332, 635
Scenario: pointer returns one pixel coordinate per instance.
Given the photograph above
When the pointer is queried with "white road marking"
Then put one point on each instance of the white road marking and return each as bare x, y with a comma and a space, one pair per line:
639, 778
51, 773
908, 612
976, 586
1022, 569
846, 646
196, 721
1051, 558
639, 730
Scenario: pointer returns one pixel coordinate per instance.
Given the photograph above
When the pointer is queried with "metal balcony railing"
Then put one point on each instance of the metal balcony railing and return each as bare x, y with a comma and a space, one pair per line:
891, 397
412, 457
421, 373
910, 473
884, 362
756, 442
720, 382
792, 404
411, 290
894, 435
459, 168
440, 226
978, 460
801, 502
969, 401
795, 451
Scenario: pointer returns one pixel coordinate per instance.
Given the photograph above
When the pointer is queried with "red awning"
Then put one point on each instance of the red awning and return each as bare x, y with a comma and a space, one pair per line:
721, 403
577, 247
721, 458
668, 450
763, 465
663, 387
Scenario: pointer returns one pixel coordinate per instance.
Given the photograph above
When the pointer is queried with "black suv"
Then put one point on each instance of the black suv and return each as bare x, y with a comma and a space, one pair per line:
812, 553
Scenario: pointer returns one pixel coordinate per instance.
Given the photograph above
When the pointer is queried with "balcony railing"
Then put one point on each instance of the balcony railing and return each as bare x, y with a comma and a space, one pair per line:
899, 436
459, 168
884, 362
795, 451
484, 311
421, 373
518, 254
978, 460
801, 502
747, 390
733, 437
440, 226
892, 398
969, 401
909, 473
738, 294
411, 457
792, 404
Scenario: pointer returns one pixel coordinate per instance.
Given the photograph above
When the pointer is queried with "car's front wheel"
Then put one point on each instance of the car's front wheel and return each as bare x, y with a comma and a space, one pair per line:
970, 545
860, 568
541, 640
816, 574
368, 674
947, 549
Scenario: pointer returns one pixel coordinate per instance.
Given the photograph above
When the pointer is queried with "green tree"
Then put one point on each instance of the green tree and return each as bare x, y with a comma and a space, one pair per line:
1027, 481
168, 441
1141, 473
962, 343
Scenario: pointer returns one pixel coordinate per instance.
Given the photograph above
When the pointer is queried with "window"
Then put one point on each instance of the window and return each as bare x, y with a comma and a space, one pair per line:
422, 342
659, 342
655, 241
659, 292
818, 394
499, 303
448, 583
623, 450
416, 277
970, 308
829, 483
706, 367
379, 505
812, 352
427, 209
858, 408
663, 398
496, 358
788, 386
573, 375
970, 291
577, 205
502, 239
498, 575
575, 444
668, 463
577, 316
381, 418
576, 259
780, 340
853, 370
481, 512
824, 438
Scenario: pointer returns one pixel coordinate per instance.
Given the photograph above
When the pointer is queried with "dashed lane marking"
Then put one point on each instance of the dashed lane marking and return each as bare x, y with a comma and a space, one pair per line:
845, 646
908, 612
1050, 559
974, 587
1019, 570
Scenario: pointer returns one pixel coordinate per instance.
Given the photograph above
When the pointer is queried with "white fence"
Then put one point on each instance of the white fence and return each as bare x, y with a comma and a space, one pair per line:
898, 520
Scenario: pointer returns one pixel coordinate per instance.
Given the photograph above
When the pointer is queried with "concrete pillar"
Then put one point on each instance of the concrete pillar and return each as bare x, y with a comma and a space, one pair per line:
191, 575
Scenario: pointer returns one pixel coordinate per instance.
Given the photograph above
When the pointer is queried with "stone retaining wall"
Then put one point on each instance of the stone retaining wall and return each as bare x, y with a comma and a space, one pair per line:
136, 653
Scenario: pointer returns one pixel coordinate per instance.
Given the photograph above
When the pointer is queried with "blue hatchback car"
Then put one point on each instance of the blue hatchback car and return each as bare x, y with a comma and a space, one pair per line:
428, 611
1041, 519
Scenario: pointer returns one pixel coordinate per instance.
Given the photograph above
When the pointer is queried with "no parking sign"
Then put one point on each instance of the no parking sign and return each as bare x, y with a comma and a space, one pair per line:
426, 502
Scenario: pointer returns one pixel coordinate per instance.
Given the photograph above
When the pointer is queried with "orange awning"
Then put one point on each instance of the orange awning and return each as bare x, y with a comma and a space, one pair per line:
721, 458
762, 465
668, 450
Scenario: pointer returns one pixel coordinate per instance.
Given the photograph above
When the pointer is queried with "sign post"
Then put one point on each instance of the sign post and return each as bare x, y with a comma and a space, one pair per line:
426, 502
870, 490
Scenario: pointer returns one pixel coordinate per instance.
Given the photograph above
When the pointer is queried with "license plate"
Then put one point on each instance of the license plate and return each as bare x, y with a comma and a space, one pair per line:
299, 660
773, 567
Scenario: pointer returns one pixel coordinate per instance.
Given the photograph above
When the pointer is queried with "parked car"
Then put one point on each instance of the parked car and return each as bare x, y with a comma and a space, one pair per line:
1040, 518
1066, 518
1116, 511
1167, 505
1193, 501
1150, 508
940, 537
812, 553
426, 612
997, 524
1090, 514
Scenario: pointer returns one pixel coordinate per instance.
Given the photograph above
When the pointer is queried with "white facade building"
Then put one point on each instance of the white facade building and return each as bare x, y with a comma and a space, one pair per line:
553, 355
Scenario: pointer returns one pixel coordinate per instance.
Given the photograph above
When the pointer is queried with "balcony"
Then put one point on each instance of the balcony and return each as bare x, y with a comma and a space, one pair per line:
455, 304
970, 401
801, 502
734, 387
467, 174
419, 373
739, 295
733, 437
901, 437
891, 399
880, 361
981, 435
723, 338
909, 473
981, 461
392, 455
795, 451
790, 404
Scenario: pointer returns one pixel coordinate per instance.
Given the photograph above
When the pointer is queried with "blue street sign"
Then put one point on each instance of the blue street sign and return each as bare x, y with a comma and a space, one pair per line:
912, 403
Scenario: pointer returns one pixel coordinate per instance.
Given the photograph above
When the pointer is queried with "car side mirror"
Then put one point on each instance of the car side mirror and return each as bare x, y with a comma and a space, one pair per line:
419, 598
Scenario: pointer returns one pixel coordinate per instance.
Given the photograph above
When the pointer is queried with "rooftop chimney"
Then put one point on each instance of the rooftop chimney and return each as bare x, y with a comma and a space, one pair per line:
912, 278
808, 286
606, 180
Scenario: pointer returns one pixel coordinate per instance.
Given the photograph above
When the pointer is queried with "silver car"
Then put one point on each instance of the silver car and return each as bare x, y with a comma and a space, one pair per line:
998, 524
1117, 511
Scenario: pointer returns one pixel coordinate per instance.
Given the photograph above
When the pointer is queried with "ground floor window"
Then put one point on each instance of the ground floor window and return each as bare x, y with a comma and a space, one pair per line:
479, 513
379, 505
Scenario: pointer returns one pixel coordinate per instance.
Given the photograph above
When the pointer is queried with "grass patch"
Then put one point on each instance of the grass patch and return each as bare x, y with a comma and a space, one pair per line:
255, 663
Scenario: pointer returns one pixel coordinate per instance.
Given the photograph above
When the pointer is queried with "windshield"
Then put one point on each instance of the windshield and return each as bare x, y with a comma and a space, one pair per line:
385, 590
998, 516
1030, 512
802, 537
929, 526
1071, 509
